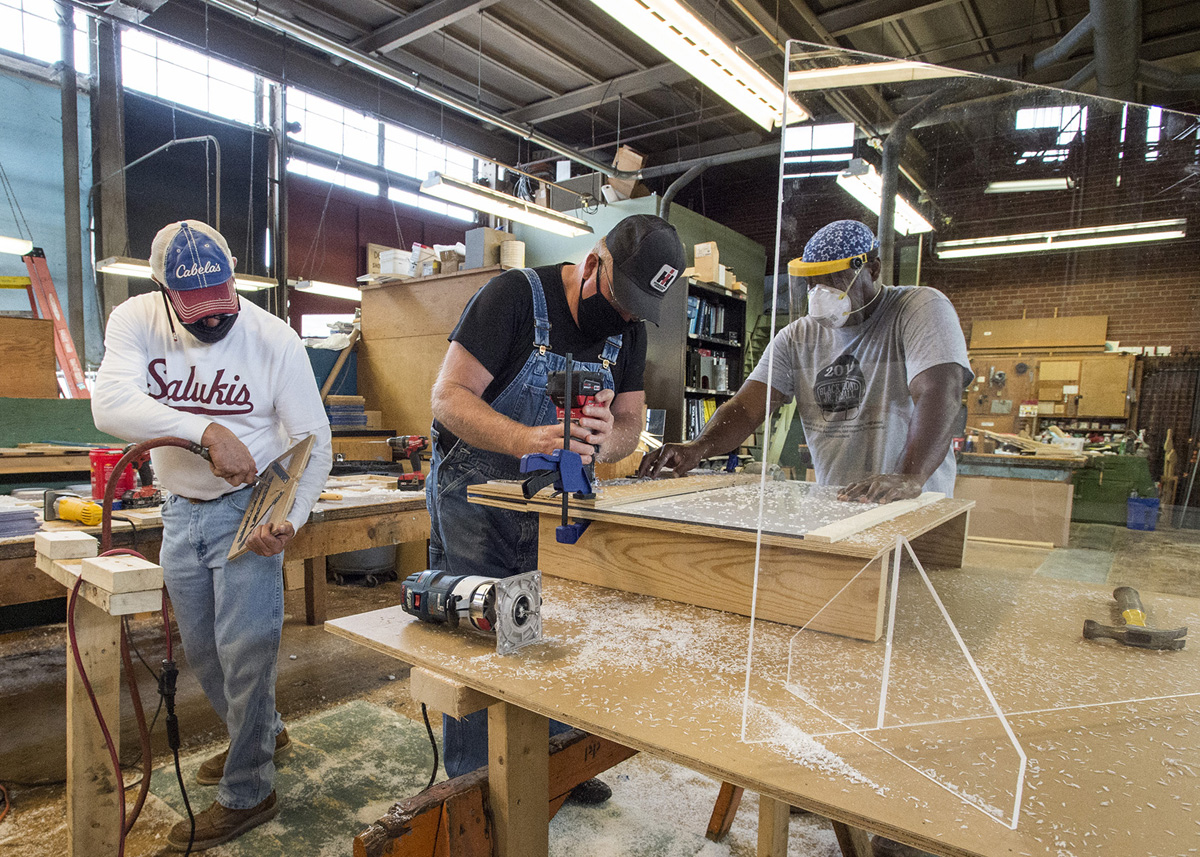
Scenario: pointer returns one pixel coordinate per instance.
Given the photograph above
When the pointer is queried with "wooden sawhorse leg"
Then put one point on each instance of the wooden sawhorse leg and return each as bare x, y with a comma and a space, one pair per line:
772, 827
314, 591
724, 811
519, 780
93, 817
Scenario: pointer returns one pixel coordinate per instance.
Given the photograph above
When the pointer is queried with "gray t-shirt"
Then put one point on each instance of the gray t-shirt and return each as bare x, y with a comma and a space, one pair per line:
853, 382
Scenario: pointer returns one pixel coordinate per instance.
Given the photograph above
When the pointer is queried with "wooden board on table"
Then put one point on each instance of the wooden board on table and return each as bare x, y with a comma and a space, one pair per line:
844, 529
273, 494
684, 703
622, 491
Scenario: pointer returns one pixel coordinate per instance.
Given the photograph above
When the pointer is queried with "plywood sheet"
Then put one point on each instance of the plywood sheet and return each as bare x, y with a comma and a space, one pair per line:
667, 678
421, 306
1032, 333
28, 343
1066, 371
1018, 509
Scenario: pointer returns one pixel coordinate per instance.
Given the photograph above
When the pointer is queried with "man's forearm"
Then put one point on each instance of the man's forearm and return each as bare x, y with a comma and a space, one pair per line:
476, 422
623, 439
929, 435
732, 423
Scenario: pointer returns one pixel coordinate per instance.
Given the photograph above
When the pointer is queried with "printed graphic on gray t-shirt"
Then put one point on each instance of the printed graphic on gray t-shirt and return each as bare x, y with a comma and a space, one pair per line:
854, 401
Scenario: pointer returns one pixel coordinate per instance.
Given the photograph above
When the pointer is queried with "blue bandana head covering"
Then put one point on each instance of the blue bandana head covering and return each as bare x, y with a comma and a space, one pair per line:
841, 239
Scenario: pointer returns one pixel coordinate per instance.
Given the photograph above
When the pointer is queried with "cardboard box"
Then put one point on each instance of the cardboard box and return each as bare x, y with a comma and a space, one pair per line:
374, 252
627, 160
450, 261
483, 246
397, 263
707, 261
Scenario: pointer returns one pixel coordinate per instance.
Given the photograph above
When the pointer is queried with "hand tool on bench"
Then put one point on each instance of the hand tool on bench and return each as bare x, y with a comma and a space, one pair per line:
410, 446
1135, 632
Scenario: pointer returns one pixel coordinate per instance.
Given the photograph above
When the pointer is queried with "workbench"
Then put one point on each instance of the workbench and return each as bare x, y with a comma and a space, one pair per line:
1112, 734
334, 526
1019, 497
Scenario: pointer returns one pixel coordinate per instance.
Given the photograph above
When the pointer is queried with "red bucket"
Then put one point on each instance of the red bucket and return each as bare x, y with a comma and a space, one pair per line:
103, 461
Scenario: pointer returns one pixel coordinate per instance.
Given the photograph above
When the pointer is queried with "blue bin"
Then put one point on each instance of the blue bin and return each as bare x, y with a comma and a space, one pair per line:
1141, 513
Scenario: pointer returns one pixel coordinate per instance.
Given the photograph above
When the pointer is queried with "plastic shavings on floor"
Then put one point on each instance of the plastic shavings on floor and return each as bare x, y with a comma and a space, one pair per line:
788, 508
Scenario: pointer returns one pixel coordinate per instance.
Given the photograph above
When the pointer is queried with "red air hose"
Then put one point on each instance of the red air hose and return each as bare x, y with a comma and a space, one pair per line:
107, 550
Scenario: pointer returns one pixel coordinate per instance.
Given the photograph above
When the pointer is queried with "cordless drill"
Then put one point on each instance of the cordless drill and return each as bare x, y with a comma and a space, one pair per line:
410, 446
584, 387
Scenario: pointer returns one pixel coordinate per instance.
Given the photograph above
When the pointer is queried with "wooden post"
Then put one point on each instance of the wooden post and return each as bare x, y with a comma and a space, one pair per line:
773, 818
519, 780
92, 812
853, 841
314, 590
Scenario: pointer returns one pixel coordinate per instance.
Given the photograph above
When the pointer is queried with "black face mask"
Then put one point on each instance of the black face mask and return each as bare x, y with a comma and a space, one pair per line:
207, 334
598, 317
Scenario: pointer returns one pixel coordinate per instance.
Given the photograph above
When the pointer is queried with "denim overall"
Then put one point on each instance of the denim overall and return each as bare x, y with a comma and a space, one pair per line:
467, 538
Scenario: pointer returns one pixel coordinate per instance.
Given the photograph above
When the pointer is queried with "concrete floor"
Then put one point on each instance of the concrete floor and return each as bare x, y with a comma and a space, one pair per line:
335, 694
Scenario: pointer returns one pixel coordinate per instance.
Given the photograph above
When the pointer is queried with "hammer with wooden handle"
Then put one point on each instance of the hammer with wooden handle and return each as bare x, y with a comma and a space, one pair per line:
1134, 632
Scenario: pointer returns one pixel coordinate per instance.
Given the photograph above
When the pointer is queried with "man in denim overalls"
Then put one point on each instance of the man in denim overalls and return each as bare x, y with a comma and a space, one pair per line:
490, 405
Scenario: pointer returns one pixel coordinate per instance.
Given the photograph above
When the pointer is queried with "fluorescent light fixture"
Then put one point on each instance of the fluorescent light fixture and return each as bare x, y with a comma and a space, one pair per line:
689, 42
866, 74
16, 246
503, 205
1030, 185
1064, 239
331, 290
862, 182
127, 267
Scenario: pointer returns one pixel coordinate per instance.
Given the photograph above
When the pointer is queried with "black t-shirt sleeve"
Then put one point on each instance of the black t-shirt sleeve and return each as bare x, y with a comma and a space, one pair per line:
494, 326
629, 376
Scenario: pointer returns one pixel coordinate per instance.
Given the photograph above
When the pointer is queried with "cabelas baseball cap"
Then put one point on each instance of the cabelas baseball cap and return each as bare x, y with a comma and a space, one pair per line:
192, 260
647, 258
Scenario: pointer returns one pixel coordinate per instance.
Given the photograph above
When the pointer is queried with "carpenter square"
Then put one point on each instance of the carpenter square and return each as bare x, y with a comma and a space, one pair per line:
1134, 632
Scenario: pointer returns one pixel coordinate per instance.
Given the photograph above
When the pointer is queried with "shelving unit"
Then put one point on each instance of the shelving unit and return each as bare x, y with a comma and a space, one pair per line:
714, 350
1083, 426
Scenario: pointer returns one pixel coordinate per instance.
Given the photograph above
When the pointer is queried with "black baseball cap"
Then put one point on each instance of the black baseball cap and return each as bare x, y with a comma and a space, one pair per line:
647, 258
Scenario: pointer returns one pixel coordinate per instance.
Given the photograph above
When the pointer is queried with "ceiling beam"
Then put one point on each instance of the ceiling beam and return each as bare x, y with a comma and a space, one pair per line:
872, 13
430, 18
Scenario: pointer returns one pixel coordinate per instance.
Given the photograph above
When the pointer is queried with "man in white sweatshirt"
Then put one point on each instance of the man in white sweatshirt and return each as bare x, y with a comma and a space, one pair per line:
192, 361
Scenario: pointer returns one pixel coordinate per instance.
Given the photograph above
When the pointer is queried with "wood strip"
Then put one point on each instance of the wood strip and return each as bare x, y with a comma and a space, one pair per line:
612, 496
844, 529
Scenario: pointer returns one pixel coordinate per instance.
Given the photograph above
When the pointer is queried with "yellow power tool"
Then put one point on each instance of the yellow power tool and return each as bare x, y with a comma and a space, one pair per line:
68, 506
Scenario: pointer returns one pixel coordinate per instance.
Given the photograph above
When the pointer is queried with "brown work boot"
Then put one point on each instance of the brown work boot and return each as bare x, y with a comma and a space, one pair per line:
213, 769
219, 824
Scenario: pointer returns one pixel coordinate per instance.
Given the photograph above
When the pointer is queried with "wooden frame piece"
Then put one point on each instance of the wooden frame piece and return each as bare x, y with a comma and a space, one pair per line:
844, 529
273, 494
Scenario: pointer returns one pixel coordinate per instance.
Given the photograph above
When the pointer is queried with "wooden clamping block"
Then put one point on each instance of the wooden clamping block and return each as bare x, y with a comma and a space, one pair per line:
446, 695
67, 544
120, 574
109, 582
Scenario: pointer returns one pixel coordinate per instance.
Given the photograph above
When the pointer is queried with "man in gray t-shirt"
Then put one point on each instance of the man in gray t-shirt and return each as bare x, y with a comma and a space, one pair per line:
877, 374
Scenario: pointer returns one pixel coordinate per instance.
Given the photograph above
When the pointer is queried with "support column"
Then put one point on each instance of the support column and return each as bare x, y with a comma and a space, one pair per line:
108, 158
70, 143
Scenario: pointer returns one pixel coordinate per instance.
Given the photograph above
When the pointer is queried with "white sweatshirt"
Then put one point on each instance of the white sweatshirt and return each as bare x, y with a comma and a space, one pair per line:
257, 382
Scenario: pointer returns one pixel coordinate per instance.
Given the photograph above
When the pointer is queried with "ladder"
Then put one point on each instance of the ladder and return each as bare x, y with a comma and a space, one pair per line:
72, 382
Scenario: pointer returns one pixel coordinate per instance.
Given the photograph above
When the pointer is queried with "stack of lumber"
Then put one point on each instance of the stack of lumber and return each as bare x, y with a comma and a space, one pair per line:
1034, 447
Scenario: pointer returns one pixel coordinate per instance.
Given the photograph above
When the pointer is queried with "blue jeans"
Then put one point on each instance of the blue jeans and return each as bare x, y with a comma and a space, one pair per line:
230, 617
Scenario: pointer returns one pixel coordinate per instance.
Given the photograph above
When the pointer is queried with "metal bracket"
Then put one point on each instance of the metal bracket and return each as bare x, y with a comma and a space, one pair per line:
518, 611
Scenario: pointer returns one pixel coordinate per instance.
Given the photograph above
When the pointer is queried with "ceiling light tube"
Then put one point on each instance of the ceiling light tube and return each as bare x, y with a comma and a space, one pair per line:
331, 290
866, 74
16, 246
140, 268
688, 41
1064, 239
1030, 185
500, 204
862, 182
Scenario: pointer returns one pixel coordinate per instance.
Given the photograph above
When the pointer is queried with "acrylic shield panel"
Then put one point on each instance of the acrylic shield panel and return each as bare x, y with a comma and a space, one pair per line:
998, 182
